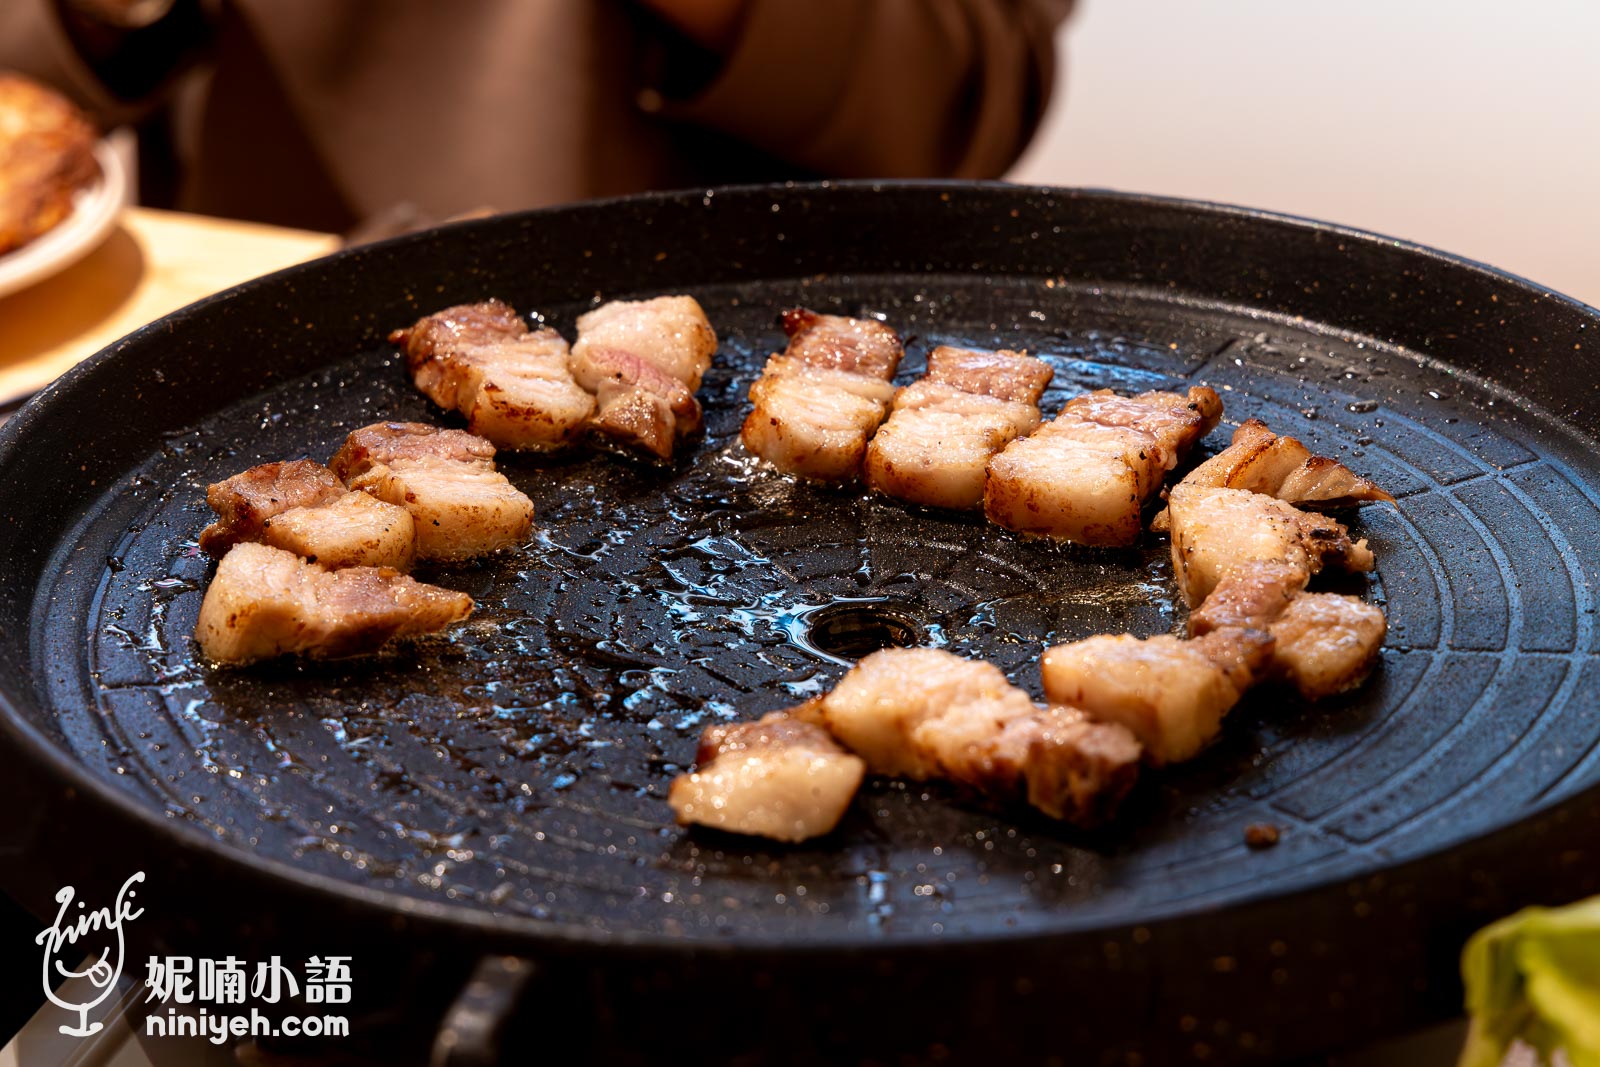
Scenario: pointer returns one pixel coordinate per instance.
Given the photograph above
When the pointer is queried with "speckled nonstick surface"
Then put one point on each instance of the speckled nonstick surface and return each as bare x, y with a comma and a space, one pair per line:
502, 791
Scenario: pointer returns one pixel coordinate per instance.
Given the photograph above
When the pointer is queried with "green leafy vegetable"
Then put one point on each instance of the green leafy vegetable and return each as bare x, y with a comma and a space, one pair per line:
1535, 977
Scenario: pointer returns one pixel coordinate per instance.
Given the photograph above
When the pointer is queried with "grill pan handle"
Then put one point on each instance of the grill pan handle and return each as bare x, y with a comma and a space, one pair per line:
471, 1032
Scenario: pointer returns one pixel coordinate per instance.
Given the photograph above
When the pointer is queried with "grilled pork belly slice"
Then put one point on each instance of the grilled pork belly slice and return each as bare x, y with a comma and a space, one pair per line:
1214, 530
1169, 693
356, 530
267, 602
838, 342
461, 506
643, 361
1073, 768
923, 713
671, 333
944, 429
302, 507
387, 443
246, 502
778, 777
460, 511
1085, 475
1262, 462
1249, 595
1324, 643
814, 422
1282, 467
1004, 375
513, 384
1243, 556
639, 406
816, 405
888, 710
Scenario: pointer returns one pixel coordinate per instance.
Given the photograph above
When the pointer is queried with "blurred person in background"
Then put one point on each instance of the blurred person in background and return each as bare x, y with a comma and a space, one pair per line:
329, 113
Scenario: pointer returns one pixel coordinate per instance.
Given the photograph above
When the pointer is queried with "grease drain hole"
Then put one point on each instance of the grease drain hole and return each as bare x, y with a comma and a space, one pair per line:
851, 629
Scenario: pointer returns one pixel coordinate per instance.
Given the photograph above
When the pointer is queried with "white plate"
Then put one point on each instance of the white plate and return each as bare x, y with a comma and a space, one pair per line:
94, 212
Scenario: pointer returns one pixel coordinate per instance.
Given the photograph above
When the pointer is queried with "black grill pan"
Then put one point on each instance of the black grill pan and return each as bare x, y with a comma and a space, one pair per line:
502, 792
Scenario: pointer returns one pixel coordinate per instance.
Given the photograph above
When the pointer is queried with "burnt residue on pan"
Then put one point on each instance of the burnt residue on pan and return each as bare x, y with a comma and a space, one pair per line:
521, 764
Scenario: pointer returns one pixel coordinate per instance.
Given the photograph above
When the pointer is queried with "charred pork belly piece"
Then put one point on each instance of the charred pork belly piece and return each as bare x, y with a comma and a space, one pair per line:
303, 507
267, 602
904, 710
246, 502
816, 405
838, 342
944, 429
513, 384
922, 713
778, 777
461, 506
1243, 555
1282, 467
1085, 475
386, 443
356, 530
643, 361
1327, 643
1215, 530
1074, 769
1249, 595
1170, 693
1262, 462
1324, 643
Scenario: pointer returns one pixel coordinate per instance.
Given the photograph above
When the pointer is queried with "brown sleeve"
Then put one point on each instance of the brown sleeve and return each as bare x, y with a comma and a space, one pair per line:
886, 88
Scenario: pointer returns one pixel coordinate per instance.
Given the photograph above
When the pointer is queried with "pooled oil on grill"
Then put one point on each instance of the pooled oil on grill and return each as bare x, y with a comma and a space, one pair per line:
521, 764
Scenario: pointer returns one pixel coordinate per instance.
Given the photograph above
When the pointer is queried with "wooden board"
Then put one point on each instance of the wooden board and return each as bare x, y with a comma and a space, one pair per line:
152, 263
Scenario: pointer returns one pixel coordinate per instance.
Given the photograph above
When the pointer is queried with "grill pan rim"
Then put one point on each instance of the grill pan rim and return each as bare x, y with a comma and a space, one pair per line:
22, 737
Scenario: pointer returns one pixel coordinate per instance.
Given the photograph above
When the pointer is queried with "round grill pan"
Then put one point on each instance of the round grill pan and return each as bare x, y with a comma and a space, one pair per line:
502, 791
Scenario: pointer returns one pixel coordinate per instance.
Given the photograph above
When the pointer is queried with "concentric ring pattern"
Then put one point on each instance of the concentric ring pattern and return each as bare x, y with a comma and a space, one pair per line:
654, 601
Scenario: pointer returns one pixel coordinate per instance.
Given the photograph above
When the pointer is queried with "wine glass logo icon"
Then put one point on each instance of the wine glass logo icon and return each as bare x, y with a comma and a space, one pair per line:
99, 926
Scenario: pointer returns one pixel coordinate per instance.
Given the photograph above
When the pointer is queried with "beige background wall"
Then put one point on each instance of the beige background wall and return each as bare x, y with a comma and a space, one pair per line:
1468, 125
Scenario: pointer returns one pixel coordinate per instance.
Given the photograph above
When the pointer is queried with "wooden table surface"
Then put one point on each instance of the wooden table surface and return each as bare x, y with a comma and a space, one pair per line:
152, 263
